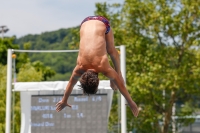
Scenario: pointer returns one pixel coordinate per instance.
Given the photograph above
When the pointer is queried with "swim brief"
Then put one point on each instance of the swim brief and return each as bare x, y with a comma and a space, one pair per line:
100, 18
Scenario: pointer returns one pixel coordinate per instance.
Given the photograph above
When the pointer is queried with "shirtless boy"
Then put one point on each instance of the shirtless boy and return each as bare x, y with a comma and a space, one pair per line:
96, 41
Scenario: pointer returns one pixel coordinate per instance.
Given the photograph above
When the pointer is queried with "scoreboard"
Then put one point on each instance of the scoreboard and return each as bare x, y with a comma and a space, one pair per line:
88, 114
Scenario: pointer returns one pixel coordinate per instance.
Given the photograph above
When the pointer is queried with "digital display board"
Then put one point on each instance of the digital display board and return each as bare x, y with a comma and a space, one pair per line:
88, 114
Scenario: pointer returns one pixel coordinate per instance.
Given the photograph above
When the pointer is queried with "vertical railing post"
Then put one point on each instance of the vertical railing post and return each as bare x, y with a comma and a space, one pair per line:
123, 101
8, 90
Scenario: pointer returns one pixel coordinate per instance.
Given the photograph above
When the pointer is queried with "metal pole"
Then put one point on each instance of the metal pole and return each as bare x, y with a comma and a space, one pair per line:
8, 90
163, 109
13, 99
123, 101
119, 110
173, 118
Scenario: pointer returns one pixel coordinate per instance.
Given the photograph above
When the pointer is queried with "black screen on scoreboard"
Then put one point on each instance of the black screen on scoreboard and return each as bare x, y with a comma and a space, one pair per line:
88, 114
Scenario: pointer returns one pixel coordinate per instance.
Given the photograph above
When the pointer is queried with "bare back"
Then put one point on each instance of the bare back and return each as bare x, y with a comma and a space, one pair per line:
92, 51
96, 40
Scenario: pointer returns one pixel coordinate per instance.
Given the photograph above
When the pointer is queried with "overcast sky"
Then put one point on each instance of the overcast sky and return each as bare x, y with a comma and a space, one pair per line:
24, 17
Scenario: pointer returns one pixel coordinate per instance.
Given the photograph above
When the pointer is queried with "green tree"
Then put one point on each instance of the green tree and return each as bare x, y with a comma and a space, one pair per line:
46, 71
166, 62
160, 37
31, 75
62, 39
74, 38
2, 97
23, 58
26, 71
6, 43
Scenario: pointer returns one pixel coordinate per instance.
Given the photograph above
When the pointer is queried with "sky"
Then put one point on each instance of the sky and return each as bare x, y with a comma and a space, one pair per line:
24, 17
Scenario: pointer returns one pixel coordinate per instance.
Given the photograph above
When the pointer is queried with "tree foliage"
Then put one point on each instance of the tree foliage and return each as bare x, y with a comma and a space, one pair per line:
160, 38
26, 71
2, 97
6, 43
61, 63
31, 73
48, 40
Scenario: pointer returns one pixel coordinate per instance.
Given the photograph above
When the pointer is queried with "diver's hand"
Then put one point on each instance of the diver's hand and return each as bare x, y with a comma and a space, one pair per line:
61, 105
134, 108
